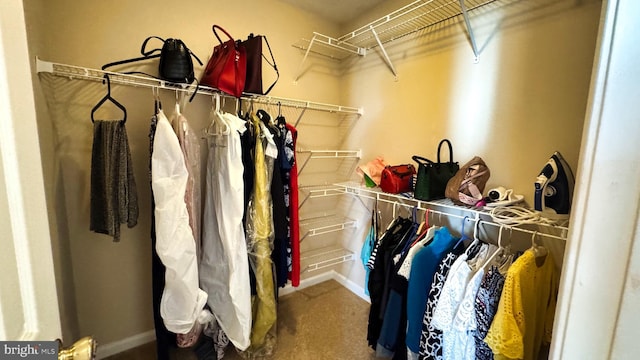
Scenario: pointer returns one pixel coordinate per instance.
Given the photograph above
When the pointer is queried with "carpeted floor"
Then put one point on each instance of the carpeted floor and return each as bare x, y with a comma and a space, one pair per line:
325, 321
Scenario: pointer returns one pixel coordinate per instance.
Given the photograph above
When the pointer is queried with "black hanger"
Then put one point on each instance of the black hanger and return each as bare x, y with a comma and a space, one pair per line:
264, 116
108, 97
280, 120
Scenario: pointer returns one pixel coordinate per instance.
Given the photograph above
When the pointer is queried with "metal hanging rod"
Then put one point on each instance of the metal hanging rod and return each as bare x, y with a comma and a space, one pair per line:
78, 72
401, 200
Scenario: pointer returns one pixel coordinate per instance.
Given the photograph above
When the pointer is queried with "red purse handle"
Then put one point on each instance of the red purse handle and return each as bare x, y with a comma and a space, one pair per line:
214, 27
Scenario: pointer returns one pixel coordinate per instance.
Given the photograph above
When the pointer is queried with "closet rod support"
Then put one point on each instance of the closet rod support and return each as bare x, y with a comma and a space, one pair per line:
472, 37
304, 109
384, 52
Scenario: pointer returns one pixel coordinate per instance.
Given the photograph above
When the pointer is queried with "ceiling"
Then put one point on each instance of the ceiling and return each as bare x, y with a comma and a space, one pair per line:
336, 11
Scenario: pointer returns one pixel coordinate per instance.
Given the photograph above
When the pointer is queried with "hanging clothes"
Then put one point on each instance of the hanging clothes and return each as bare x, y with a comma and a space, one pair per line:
294, 222
485, 308
527, 306
453, 294
286, 158
260, 245
392, 333
424, 265
190, 145
369, 243
114, 198
379, 286
224, 266
164, 338
182, 299
280, 213
430, 338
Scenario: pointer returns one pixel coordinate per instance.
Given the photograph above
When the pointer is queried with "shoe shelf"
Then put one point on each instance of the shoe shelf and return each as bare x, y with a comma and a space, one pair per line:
327, 154
321, 258
324, 224
318, 191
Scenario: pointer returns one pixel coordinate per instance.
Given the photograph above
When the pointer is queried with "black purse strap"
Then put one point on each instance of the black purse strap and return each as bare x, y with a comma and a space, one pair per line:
421, 160
450, 150
274, 66
144, 45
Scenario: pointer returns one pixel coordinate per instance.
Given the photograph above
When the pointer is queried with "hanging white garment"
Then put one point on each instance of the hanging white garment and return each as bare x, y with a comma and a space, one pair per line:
182, 299
224, 266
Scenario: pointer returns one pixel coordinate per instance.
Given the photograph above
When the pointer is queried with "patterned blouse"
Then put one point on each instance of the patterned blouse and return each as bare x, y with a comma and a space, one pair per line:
486, 305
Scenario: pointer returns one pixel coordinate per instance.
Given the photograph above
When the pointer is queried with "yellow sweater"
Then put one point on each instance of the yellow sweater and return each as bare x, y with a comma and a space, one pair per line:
524, 319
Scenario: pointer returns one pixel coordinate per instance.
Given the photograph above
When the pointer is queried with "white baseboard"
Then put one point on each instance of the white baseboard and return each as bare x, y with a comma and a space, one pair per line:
131, 342
352, 286
125, 344
329, 275
305, 283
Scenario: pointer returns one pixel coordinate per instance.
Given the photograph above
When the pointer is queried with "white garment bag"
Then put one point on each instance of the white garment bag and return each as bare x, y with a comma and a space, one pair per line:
182, 299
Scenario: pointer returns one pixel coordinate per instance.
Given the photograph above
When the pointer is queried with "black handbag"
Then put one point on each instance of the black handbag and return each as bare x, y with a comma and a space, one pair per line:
175, 61
253, 48
175, 64
432, 176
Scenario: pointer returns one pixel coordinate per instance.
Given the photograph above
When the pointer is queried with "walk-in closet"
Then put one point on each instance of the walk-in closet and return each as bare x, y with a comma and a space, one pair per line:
311, 258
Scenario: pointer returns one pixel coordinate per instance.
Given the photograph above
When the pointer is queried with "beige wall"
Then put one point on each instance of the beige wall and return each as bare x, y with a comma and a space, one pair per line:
523, 100
105, 287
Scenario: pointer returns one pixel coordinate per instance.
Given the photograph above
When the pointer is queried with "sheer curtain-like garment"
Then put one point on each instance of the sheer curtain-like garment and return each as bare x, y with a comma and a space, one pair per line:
182, 299
190, 145
260, 244
224, 267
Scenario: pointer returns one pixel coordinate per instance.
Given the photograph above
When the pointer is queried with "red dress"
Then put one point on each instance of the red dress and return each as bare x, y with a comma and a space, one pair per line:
294, 275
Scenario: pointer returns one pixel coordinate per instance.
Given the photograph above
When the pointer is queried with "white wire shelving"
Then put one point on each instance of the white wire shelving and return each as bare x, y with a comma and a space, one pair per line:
324, 225
328, 154
318, 191
84, 73
445, 207
318, 259
416, 16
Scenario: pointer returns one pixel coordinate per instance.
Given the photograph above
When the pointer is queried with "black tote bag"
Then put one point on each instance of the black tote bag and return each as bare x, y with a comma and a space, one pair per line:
432, 176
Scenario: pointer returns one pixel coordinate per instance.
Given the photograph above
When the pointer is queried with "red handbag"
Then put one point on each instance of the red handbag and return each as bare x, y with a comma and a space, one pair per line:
227, 67
397, 179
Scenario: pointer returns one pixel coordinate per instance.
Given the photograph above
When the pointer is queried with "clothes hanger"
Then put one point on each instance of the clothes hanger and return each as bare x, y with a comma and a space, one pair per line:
217, 128
106, 98
498, 251
264, 117
280, 120
177, 107
538, 250
157, 104
463, 236
476, 236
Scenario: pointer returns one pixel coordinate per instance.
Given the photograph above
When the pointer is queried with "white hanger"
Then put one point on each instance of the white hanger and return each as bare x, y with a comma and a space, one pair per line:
501, 249
538, 250
476, 236
218, 127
